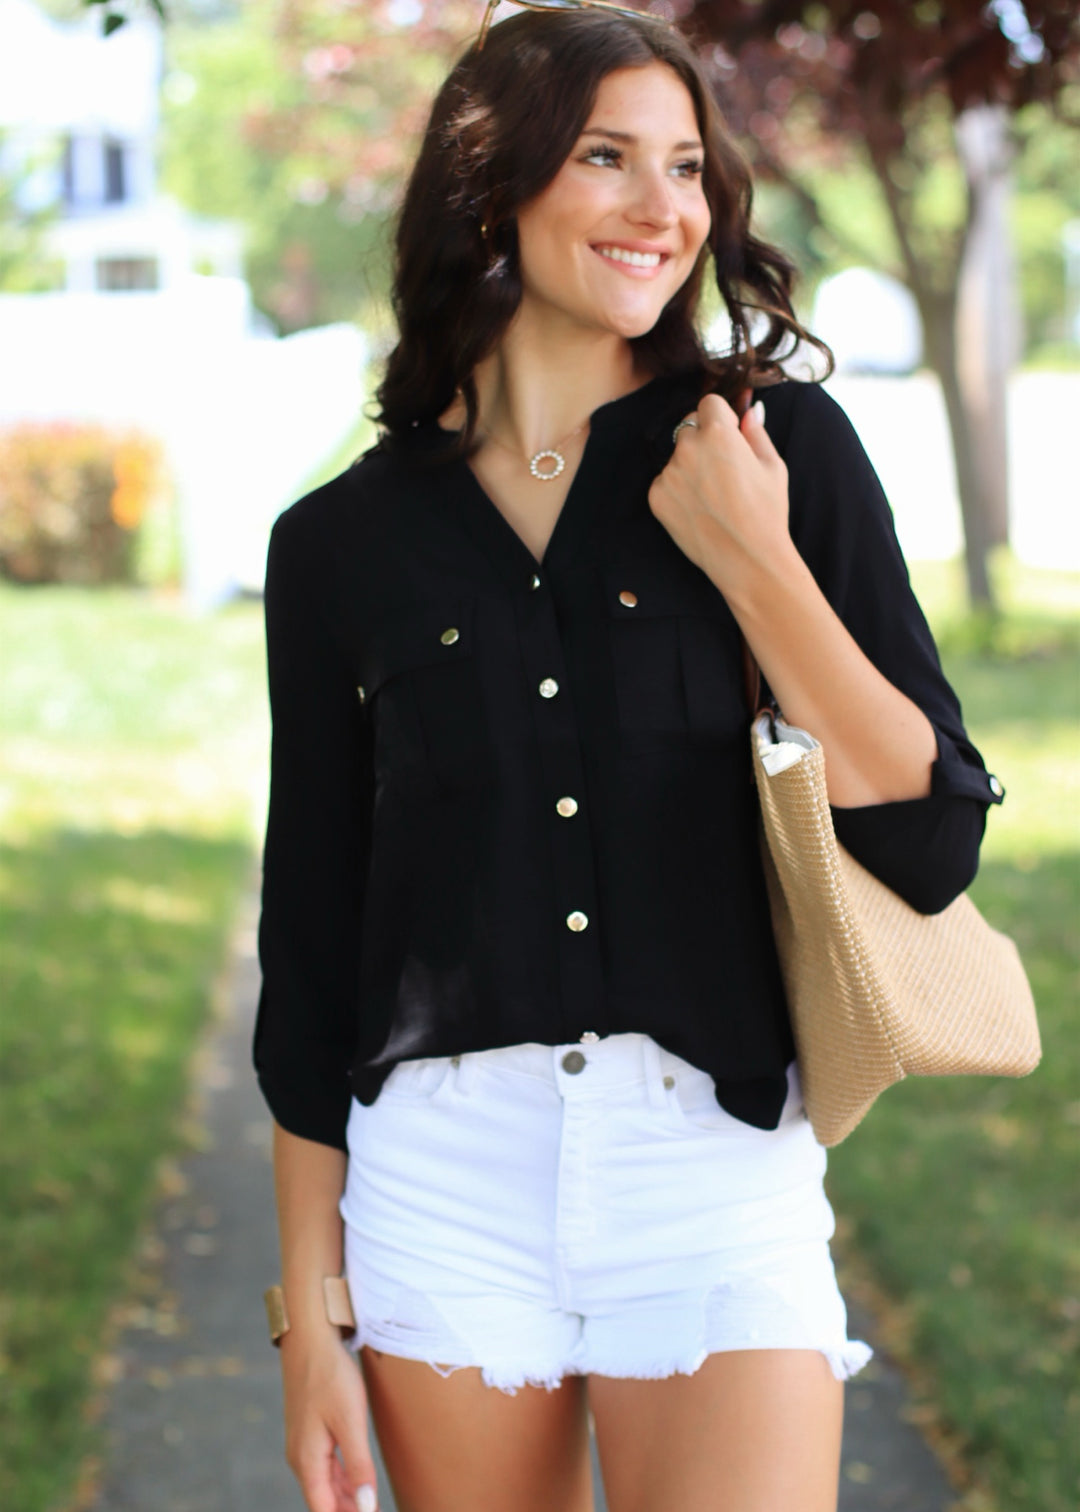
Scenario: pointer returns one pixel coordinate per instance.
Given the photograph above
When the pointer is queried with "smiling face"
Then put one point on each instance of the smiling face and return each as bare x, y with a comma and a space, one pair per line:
618, 230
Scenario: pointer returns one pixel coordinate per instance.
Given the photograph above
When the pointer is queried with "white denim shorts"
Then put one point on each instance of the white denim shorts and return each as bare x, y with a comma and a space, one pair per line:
542, 1210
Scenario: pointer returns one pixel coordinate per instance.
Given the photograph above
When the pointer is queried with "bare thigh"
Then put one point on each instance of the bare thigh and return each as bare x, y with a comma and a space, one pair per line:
750, 1431
452, 1444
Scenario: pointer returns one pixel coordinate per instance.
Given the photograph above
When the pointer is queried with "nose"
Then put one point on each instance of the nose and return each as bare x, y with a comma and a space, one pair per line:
653, 201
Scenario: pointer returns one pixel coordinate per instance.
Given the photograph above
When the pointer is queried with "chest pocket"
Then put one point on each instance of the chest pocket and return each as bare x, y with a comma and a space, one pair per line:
675, 646
419, 680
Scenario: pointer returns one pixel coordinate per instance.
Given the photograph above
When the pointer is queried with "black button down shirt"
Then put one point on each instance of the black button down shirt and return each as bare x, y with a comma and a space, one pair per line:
511, 801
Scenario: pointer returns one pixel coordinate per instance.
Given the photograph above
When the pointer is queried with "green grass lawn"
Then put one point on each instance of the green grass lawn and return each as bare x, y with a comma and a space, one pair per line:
133, 749
129, 738
962, 1195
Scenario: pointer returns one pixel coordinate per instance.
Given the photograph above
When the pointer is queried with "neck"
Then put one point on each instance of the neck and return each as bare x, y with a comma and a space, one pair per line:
533, 393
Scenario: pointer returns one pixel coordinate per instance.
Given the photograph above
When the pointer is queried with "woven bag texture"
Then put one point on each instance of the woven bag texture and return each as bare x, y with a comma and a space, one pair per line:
877, 990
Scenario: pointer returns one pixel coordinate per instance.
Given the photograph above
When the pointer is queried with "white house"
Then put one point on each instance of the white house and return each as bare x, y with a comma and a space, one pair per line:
79, 121
154, 326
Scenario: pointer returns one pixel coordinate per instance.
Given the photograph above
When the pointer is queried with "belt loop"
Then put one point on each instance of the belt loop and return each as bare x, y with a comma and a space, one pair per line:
466, 1071
654, 1076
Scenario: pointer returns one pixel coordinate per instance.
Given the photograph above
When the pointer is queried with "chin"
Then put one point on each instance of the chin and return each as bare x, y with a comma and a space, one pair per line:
638, 326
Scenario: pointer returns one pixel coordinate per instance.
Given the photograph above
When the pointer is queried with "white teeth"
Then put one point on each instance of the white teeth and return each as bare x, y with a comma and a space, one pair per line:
635, 259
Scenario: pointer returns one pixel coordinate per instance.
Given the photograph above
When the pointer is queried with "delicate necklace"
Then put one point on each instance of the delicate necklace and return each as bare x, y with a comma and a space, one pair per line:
548, 451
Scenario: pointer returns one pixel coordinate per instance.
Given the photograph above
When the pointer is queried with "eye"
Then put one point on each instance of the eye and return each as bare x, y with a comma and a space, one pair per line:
607, 152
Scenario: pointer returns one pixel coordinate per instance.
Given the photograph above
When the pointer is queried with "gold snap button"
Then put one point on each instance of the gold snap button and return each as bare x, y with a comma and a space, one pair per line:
577, 920
567, 807
548, 688
628, 598
535, 582
360, 691
669, 1082
449, 636
455, 1060
573, 1061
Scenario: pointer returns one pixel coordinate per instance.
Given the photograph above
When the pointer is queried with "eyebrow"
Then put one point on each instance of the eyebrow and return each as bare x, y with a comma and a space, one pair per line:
626, 136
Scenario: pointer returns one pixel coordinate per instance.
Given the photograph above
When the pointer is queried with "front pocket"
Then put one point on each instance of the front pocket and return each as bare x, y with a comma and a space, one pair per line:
418, 1080
675, 648
419, 679
692, 1104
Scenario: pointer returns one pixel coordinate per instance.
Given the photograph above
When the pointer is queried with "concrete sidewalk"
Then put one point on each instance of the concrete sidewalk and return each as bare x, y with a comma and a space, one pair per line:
193, 1412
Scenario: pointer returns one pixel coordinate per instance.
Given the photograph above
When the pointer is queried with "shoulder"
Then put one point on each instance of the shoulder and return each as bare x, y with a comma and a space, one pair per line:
328, 516
803, 417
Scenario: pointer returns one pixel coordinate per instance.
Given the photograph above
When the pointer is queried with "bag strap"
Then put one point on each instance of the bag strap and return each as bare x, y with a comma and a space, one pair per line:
751, 680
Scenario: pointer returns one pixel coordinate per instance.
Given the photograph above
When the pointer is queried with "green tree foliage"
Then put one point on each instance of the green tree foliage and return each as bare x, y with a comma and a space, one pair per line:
24, 267
299, 122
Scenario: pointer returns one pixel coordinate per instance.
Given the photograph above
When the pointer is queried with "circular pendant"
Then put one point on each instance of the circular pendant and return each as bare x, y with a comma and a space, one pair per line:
558, 459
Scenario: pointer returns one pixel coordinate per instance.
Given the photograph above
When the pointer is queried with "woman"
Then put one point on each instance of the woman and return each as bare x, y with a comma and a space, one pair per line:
522, 1029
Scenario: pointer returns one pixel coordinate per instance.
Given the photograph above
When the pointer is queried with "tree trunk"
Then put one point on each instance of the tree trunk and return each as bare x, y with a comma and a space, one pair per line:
938, 312
988, 320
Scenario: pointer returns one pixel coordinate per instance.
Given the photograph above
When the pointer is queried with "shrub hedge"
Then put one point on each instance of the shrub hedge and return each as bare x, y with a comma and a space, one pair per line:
72, 496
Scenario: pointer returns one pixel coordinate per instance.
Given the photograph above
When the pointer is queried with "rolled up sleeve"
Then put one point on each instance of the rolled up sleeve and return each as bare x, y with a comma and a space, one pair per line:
316, 853
925, 849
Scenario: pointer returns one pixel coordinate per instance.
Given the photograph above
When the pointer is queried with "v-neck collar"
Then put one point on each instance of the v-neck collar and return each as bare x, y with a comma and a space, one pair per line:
644, 412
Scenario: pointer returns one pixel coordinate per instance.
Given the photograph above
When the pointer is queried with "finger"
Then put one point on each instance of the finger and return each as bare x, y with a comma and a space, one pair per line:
317, 1483
713, 408
753, 429
359, 1471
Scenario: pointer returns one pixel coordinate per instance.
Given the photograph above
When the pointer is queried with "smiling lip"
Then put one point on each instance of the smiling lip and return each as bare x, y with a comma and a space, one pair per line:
630, 269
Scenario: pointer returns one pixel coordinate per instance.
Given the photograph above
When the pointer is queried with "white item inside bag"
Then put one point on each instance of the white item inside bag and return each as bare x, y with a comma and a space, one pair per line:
791, 743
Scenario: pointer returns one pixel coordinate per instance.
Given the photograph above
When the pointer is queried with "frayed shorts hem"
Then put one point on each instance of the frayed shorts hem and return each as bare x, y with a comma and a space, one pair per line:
844, 1362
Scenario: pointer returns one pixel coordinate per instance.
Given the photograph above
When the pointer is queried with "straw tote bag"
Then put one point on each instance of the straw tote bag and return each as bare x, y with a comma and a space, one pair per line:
877, 990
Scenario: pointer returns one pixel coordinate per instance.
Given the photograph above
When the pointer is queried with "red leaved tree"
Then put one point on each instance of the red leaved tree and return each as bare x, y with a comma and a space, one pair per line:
895, 85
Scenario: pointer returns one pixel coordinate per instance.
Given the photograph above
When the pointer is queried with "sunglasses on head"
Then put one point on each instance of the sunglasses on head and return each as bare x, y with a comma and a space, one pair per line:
565, 5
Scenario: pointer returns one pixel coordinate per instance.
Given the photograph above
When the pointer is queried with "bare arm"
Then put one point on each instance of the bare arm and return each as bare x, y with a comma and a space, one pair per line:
879, 745
325, 1401
309, 1179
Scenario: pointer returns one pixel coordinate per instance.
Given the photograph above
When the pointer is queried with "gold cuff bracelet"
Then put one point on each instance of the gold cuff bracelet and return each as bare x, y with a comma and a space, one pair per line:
338, 1307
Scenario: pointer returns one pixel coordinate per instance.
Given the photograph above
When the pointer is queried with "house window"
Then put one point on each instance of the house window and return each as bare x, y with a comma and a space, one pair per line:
114, 273
115, 175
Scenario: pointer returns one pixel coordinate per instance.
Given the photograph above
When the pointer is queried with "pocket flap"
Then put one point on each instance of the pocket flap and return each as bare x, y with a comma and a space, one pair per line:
639, 587
428, 635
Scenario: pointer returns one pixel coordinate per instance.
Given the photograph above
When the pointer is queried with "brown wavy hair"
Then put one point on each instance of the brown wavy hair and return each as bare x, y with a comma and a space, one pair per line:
501, 126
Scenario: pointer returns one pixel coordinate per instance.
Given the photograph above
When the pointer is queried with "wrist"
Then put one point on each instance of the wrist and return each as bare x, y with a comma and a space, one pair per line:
760, 585
310, 1314
752, 578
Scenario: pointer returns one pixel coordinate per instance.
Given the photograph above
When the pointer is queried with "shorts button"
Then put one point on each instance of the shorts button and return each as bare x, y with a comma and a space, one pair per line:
669, 1081
455, 1060
573, 1061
